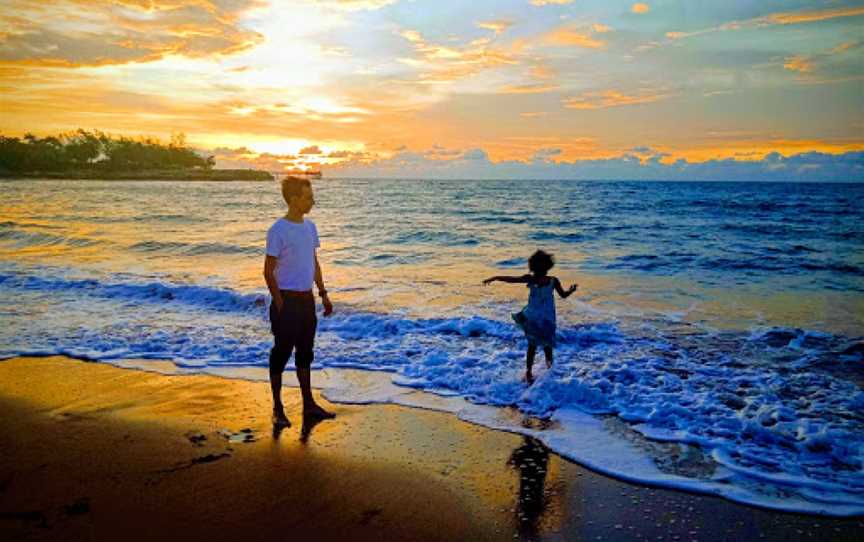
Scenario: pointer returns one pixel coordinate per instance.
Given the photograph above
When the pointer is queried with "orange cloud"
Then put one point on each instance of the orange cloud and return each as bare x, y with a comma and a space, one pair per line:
541, 71
798, 63
781, 18
573, 37
808, 64
612, 98
796, 17
757, 149
601, 28
639, 7
312, 149
496, 26
74, 33
526, 147
527, 89
445, 64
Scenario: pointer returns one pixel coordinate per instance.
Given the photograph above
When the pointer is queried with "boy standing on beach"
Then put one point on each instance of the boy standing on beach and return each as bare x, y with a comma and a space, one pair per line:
290, 267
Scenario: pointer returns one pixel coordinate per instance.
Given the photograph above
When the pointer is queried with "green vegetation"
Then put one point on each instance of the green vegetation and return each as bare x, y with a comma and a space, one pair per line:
96, 155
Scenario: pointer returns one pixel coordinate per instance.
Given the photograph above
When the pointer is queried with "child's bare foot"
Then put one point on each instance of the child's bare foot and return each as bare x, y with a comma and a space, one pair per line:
548, 363
529, 378
279, 418
316, 411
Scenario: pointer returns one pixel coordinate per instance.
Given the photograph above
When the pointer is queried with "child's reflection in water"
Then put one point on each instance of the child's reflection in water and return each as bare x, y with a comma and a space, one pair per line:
531, 461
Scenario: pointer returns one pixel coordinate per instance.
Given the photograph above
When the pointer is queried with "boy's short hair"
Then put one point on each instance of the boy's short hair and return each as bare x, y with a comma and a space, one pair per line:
541, 262
293, 187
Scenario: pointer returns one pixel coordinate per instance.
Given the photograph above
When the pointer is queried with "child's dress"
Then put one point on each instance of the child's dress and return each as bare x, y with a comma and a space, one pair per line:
537, 319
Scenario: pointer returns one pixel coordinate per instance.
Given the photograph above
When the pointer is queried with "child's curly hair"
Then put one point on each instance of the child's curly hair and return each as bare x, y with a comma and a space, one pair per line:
541, 262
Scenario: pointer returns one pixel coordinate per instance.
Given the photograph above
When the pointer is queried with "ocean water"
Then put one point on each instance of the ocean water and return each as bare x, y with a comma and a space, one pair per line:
716, 342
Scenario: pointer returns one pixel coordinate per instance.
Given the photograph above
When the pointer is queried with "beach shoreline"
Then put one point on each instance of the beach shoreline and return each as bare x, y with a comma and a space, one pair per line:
97, 452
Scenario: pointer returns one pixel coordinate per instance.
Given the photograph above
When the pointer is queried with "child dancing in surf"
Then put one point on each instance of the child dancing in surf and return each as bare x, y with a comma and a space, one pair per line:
537, 319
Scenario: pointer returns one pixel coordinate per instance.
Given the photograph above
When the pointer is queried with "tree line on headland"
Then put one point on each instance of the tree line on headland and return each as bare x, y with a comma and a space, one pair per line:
97, 155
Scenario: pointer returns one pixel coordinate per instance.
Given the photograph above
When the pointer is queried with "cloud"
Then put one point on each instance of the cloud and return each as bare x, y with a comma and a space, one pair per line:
550, 2
545, 155
807, 64
319, 108
639, 7
779, 18
541, 71
76, 33
444, 63
613, 98
244, 158
476, 154
227, 151
354, 5
537, 88
797, 17
474, 164
313, 149
798, 63
570, 36
495, 26
601, 28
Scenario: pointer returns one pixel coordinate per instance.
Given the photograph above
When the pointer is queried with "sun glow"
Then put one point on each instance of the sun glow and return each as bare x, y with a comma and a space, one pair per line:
359, 81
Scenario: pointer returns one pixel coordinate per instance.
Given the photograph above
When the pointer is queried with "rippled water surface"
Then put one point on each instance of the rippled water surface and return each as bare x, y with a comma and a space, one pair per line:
723, 318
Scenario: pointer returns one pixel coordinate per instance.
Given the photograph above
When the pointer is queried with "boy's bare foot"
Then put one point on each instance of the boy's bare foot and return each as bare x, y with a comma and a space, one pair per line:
316, 411
548, 364
279, 418
529, 378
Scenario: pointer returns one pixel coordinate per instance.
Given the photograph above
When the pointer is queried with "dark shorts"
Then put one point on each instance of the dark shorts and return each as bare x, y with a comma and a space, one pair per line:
293, 330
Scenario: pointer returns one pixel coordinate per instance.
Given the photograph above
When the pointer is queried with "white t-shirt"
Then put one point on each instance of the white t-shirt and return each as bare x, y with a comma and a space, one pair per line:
294, 246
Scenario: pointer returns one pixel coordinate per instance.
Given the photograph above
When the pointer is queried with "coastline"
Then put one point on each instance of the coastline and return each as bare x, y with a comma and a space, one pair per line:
147, 175
98, 452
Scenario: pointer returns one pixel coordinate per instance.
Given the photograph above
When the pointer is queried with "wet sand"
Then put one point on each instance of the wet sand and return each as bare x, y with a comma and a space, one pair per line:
94, 452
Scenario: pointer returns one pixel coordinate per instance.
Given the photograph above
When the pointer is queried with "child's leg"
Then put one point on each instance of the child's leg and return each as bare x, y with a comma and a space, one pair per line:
529, 362
547, 351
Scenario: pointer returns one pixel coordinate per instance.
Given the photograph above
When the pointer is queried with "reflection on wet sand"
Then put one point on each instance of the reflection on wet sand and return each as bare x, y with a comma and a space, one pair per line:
531, 461
309, 423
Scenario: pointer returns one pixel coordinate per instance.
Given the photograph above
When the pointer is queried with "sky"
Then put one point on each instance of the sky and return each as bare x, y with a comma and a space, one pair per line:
690, 89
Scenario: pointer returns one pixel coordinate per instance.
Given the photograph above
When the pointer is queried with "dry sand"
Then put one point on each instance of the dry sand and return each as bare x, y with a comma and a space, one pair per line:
94, 452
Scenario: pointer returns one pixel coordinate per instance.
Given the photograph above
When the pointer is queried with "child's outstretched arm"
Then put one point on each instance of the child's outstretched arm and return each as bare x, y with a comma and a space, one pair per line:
562, 292
503, 278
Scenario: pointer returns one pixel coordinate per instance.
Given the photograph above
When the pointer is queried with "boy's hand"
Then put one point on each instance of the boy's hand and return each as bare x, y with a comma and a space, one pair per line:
277, 301
572, 289
487, 281
328, 306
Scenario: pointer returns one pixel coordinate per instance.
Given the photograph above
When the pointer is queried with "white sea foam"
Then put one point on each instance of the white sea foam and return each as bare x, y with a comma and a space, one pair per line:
770, 429
658, 378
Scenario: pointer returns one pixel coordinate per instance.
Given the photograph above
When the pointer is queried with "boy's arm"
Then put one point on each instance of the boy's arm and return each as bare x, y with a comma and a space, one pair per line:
270, 279
503, 278
561, 291
322, 291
